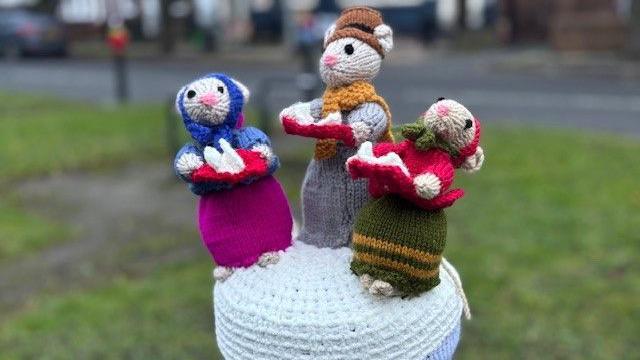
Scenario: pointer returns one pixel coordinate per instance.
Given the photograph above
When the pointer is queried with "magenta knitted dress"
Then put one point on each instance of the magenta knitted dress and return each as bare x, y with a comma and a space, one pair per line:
240, 224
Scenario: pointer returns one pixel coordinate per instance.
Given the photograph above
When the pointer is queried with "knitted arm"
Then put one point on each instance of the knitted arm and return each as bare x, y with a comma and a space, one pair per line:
368, 122
436, 176
188, 159
316, 108
301, 113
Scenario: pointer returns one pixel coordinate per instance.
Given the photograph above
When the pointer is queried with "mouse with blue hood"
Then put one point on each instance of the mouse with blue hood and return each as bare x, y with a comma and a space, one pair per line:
244, 217
211, 109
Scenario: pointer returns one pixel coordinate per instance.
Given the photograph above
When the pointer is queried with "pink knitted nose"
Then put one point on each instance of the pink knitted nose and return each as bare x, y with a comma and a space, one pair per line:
208, 99
330, 60
442, 110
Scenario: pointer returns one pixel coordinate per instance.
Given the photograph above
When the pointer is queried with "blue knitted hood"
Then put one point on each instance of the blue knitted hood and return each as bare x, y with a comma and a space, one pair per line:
209, 135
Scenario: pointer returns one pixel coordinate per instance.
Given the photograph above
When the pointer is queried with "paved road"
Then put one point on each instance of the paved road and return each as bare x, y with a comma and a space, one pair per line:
493, 94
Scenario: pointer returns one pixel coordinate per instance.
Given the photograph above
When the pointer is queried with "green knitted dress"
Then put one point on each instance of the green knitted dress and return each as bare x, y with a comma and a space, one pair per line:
400, 243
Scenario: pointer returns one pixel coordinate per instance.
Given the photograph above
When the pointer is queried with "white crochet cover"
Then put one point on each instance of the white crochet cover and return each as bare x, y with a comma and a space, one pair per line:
310, 306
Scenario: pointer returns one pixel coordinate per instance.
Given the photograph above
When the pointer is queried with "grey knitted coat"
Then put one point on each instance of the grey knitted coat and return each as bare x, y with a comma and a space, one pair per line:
330, 198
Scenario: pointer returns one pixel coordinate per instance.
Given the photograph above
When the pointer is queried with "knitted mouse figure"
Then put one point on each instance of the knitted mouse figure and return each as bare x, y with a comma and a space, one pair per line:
349, 113
399, 237
243, 214
422, 168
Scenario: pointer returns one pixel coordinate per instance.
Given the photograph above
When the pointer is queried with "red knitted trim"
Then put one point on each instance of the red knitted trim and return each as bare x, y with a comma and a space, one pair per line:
440, 202
385, 180
384, 173
339, 132
255, 165
469, 149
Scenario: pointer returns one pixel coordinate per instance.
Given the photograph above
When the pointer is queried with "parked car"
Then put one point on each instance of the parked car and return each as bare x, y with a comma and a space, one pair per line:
24, 32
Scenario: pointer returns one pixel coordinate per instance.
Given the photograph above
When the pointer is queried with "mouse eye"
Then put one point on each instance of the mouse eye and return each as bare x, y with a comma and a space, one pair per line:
440, 99
468, 124
220, 89
348, 49
191, 94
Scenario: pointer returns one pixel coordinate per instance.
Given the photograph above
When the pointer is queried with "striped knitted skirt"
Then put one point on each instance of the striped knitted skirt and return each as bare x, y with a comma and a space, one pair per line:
400, 243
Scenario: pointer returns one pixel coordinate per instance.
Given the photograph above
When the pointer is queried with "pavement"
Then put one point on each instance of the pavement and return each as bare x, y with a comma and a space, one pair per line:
511, 86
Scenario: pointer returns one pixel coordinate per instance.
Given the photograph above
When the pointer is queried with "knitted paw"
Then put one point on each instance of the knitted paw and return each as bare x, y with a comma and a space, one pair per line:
382, 288
298, 112
222, 273
188, 162
366, 280
264, 151
361, 132
268, 258
427, 185
474, 162
227, 161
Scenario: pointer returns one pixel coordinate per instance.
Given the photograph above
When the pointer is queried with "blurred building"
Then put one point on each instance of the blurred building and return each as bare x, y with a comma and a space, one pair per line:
239, 20
83, 16
95, 11
567, 24
16, 3
145, 17
634, 25
422, 18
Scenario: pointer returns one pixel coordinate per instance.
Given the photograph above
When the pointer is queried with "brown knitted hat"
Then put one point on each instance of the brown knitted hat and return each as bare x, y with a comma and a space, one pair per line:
358, 22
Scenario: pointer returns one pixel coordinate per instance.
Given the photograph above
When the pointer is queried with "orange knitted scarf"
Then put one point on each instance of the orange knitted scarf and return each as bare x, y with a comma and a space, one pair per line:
347, 98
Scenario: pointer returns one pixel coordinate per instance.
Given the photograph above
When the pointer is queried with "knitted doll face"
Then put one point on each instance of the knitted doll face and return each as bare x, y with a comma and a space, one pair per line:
452, 122
347, 60
207, 100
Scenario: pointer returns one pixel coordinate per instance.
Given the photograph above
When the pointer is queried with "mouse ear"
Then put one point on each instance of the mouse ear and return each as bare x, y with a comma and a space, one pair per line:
243, 89
328, 33
384, 34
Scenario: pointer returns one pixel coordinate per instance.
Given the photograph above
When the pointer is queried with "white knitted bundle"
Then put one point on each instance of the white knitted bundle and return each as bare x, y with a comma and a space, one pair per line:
311, 306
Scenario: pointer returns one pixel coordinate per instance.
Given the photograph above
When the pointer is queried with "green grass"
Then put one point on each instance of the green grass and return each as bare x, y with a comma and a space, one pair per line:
547, 243
166, 316
41, 135
546, 240
23, 233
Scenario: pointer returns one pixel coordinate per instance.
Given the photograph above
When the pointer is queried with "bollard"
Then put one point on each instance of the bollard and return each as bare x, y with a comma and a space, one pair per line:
118, 40
122, 86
